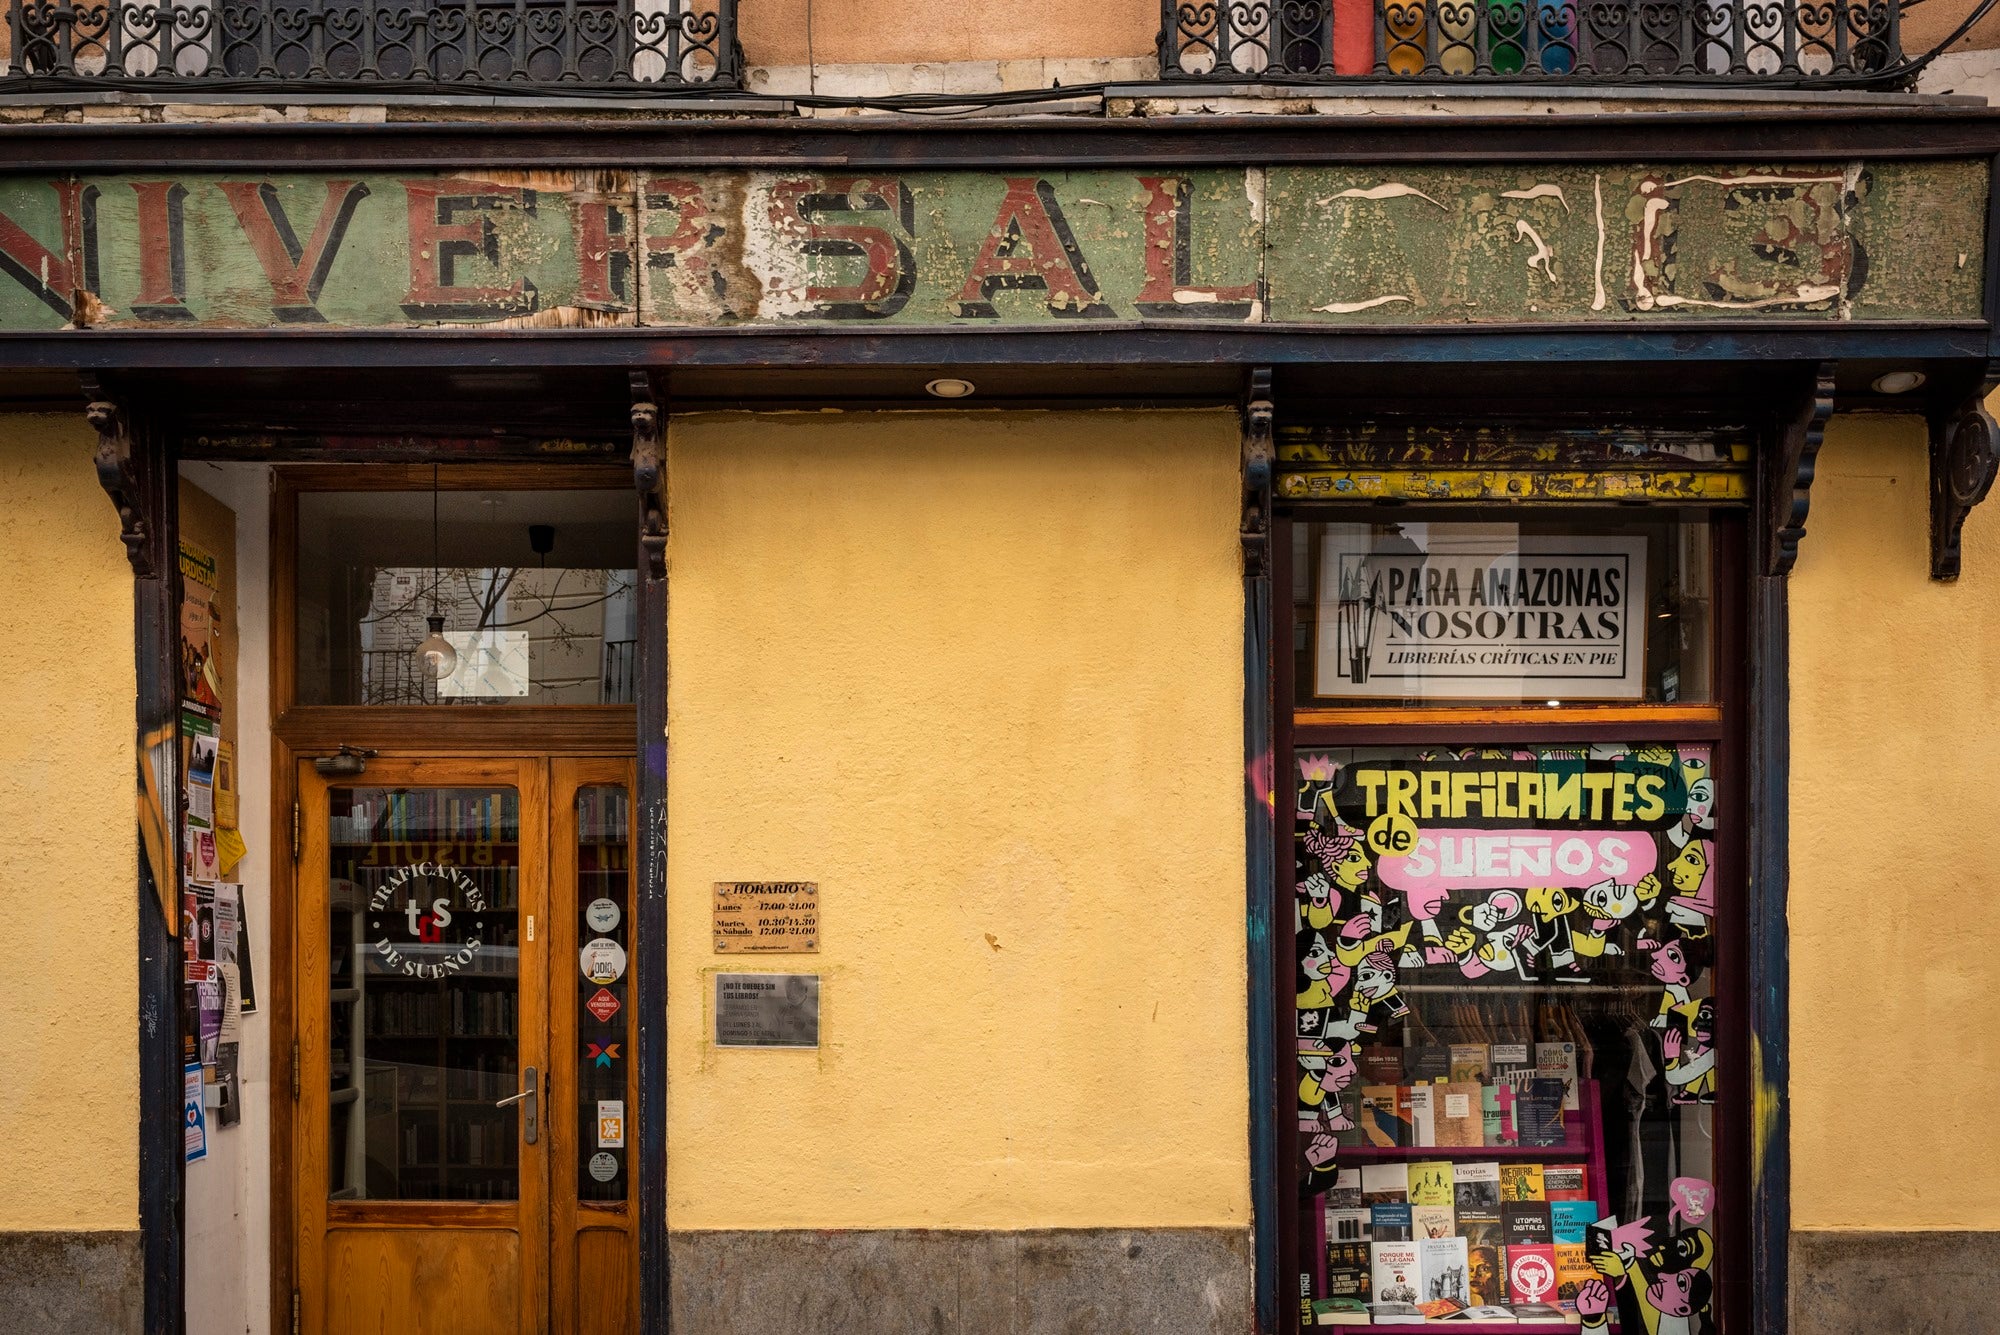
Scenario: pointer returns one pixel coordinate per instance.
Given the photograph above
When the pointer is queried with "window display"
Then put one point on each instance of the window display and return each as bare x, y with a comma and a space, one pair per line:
1506, 1035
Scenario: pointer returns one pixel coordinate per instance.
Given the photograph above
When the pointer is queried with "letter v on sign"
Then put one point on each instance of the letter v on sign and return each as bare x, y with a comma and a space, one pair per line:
296, 272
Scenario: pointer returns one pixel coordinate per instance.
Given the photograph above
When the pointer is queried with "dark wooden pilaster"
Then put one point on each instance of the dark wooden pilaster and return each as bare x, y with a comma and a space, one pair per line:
1259, 458
135, 465
649, 478
1789, 473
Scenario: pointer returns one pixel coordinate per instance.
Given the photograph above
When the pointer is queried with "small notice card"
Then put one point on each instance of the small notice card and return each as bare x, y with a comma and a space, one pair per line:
767, 917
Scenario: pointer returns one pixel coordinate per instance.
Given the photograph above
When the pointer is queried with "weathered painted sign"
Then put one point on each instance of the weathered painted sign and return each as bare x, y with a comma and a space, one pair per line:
1316, 245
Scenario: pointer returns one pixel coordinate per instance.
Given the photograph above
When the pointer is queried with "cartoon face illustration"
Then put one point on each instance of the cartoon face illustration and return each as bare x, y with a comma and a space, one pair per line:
1682, 1293
1670, 964
1424, 903
1318, 961
1701, 802
1339, 1070
1701, 1026
1376, 976
1689, 868
1550, 901
1351, 870
1610, 902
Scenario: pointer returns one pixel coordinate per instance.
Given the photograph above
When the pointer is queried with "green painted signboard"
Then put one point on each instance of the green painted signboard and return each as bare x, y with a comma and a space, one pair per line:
1302, 245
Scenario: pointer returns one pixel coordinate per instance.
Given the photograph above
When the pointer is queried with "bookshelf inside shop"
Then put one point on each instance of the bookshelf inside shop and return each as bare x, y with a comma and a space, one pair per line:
1505, 1038
424, 989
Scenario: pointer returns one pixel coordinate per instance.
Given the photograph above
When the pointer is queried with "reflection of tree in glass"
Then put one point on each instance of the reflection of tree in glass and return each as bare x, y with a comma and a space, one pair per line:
476, 600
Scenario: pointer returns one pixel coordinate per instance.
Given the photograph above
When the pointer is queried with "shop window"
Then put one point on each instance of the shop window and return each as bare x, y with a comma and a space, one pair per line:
1544, 612
534, 591
1509, 1039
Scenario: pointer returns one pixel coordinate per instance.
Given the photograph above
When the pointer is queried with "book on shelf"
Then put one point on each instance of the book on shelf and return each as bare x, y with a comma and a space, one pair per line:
1381, 1064
1526, 1222
1348, 1225
1568, 1220
1485, 1312
1432, 1221
1460, 1114
1573, 1271
1339, 1311
1496, 1114
1468, 1063
1438, 1309
1559, 1061
1476, 1184
1539, 1313
1442, 1262
1539, 1112
1566, 1182
1390, 1222
1383, 1183
1480, 1225
1349, 1272
1397, 1271
1430, 1182
1345, 1193
1380, 1119
1423, 1114
1394, 1314
1511, 1063
1426, 1063
1485, 1273
1522, 1182
1531, 1274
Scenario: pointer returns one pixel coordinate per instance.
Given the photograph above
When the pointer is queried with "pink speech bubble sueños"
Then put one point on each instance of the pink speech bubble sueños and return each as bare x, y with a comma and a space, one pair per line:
1492, 859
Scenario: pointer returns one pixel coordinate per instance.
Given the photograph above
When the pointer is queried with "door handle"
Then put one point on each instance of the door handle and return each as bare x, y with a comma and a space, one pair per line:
528, 1101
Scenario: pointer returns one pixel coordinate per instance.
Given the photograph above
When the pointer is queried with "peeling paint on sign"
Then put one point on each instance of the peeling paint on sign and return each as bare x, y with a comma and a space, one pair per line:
1318, 245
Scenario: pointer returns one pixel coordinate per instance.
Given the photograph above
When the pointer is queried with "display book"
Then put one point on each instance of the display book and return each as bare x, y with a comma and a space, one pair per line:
1462, 1198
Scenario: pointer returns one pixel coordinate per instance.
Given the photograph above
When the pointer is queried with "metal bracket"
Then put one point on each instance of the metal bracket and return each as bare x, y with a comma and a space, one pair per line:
118, 474
649, 470
1259, 461
1965, 454
1788, 484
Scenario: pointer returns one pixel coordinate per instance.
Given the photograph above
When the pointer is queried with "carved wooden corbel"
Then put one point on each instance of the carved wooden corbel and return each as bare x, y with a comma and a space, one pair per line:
1259, 461
118, 474
649, 470
1963, 462
1788, 484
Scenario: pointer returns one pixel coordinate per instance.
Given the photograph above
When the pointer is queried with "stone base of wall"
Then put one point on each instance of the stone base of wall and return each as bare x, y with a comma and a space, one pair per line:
1847, 1282
70, 1283
1058, 1282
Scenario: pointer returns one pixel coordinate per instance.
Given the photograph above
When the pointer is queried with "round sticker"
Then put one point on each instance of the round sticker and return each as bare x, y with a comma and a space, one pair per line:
602, 915
1392, 836
603, 961
604, 1167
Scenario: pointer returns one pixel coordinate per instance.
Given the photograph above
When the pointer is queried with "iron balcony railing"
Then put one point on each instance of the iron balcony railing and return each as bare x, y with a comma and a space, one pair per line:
627, 46
1600, 41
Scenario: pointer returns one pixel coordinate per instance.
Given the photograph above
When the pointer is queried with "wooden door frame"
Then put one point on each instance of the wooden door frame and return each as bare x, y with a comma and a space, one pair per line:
303, 733
529, 777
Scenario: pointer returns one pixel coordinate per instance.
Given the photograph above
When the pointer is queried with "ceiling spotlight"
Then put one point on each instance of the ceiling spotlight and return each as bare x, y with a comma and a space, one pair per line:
949, 388
1898, 382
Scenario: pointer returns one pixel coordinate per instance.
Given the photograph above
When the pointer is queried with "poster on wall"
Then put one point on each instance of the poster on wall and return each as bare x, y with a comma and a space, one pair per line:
1478, 612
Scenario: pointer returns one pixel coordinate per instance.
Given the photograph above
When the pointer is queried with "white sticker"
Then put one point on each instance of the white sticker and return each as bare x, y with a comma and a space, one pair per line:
1458, 1105
611, 1124
603, 1166
602, 915
603, 961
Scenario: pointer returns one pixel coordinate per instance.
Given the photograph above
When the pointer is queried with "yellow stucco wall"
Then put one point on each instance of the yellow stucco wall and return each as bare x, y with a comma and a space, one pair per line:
980, 677
68, 912
1895, 887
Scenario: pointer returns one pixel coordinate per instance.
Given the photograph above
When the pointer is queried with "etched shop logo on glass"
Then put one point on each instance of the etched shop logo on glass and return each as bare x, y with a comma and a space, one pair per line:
421, 920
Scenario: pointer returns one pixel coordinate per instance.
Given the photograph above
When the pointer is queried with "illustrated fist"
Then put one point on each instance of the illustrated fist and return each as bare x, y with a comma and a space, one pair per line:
1648, 888
1459, 941
1593, 1299
1320, 1153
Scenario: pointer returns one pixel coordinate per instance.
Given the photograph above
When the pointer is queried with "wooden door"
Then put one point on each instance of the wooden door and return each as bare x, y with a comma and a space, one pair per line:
420, 1168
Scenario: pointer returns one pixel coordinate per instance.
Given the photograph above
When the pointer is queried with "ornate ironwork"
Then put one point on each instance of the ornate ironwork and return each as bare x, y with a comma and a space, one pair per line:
1606, 41
617, 45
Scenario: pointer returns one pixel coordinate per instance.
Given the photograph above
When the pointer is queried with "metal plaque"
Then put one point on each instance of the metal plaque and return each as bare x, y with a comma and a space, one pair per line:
766, 917
767, 1010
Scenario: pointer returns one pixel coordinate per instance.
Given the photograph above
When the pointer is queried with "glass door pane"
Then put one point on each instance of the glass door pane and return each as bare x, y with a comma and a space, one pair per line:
424, 985
604, 926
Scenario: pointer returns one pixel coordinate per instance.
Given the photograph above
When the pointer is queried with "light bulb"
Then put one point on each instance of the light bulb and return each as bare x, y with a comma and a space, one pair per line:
435, 653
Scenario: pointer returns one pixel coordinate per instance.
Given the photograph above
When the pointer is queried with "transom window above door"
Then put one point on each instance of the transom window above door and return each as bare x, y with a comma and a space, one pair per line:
465, 597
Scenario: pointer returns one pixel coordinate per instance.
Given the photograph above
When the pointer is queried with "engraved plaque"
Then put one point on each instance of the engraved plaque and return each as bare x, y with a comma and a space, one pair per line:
767, 1010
